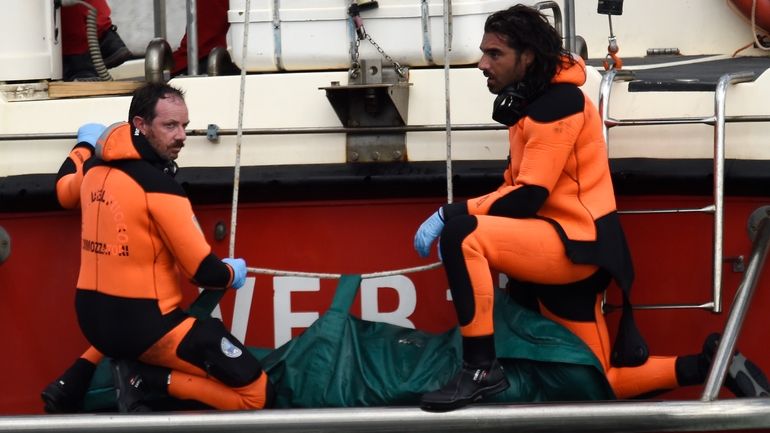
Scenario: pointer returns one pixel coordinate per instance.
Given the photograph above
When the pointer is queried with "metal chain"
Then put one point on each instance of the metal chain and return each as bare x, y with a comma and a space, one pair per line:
397, 66
355, 66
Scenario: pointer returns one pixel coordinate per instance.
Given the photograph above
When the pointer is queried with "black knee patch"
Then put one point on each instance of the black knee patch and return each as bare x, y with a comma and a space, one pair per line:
209, 346
573, 301
452, 237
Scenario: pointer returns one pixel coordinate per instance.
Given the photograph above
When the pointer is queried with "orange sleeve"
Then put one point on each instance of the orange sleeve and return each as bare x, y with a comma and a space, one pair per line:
546, 148
70, 177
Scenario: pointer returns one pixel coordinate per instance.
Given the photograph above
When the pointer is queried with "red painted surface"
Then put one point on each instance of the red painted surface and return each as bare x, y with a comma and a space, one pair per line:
672, 254
762, 11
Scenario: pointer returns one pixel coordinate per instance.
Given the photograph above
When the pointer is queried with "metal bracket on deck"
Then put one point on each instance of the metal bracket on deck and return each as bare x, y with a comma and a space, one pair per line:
5, 245
378, 98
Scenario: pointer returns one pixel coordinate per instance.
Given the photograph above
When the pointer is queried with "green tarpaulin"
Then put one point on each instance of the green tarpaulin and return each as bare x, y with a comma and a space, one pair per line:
343, 361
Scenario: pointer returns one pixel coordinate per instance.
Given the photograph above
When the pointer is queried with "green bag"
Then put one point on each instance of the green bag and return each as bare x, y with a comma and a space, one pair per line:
343, 361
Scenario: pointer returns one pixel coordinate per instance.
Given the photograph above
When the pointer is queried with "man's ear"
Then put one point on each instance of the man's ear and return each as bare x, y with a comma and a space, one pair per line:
139, 124
527, 57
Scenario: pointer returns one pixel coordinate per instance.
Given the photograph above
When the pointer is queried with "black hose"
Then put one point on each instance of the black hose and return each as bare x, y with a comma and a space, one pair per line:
93, 42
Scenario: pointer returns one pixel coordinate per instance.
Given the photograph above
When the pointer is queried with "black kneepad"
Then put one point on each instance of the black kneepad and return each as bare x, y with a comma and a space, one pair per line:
211, 347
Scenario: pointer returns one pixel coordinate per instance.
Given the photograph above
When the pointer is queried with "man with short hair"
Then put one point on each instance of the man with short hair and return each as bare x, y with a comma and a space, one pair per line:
138, 233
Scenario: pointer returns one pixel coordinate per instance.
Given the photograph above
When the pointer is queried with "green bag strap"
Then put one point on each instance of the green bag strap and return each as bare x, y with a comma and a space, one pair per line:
345, 293
205, 303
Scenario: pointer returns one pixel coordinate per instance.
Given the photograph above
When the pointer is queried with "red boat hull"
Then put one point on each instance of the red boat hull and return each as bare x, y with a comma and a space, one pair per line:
672, 256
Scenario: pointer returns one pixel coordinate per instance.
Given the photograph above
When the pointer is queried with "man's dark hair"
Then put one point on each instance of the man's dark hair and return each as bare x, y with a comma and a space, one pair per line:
525, 28
145, 99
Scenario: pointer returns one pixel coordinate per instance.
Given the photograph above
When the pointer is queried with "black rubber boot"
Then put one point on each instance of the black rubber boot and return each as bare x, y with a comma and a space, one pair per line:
56, 399
744, 378
65, 394
114, 50
79, 67
468, 386
129, 385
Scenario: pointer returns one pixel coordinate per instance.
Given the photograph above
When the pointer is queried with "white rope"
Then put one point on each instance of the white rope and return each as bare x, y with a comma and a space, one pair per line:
281, 273
447, 49
754, 27
237, 174
706, 59
239, 134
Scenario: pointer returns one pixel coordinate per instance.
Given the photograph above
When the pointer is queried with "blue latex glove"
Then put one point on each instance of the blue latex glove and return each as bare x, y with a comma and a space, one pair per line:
90, 132
239, 271
428, 232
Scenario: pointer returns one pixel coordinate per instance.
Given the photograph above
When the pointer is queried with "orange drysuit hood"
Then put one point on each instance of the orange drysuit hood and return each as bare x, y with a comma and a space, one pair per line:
115, 143
574, 73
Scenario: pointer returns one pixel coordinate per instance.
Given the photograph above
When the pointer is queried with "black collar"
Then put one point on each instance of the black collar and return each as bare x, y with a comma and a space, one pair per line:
148, 153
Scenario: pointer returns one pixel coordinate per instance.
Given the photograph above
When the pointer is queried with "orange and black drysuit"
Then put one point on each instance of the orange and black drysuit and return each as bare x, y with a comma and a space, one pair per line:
70, 175
138, 233
552, 223
68, 182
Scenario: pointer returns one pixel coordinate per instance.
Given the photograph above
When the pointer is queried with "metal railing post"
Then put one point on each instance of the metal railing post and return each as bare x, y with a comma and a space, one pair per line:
192, 38
569, 26
719, 176
159, 16
605, 91
718, 121
582, 417
557, 19
739, 308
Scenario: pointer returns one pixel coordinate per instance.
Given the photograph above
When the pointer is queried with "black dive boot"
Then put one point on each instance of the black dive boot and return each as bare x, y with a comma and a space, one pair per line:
744, 378
133, 381
468, 386
481, 376
65, 394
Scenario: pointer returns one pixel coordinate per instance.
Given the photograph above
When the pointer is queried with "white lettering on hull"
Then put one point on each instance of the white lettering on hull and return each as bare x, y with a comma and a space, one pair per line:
407, 300
286, 319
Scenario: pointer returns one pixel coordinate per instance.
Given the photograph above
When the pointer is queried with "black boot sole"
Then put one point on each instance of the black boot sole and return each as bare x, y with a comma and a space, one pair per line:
117, 58
480, 394
56, 400
745, 379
